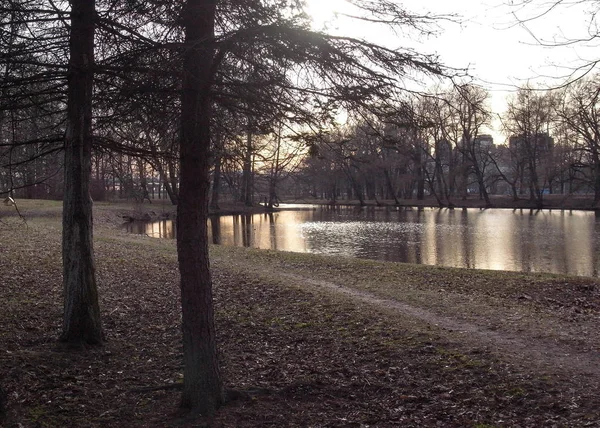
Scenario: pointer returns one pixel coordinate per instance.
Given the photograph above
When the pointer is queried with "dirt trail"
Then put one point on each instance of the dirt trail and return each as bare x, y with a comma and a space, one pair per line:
524, 348
536, 352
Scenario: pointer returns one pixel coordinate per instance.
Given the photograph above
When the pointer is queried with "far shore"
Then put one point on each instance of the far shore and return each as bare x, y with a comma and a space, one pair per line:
560, 202
162, 209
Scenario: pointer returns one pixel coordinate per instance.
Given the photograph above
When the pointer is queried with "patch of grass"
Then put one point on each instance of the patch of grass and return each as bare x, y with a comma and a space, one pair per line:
516, 392
301, 325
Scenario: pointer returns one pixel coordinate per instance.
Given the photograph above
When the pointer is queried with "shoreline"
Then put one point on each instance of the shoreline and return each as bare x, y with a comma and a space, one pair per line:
552, 202
126, 211
147, 212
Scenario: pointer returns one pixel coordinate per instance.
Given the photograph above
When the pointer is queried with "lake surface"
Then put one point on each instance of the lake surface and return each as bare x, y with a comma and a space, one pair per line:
518, 240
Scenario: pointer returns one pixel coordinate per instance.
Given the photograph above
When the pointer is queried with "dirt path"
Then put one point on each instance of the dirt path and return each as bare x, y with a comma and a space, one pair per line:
524, 348
536, 343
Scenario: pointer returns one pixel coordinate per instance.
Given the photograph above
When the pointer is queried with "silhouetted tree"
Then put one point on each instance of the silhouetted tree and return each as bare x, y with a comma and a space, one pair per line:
470, 113
528, 119
81, 312
580, 114
202, 387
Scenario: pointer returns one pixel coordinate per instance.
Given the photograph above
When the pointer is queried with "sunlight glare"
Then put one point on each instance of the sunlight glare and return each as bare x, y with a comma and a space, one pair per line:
324, 12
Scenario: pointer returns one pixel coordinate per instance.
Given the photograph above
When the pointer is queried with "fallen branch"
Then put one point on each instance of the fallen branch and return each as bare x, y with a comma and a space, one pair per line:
9, 201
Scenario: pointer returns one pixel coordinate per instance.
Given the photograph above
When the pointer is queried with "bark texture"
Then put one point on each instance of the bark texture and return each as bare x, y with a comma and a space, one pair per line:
202, 389
81, 322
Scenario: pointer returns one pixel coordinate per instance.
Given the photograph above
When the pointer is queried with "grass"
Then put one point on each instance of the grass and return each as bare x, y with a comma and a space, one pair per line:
339, 342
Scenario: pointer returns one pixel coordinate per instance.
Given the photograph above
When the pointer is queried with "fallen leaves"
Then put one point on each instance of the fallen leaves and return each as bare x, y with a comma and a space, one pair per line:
328, 360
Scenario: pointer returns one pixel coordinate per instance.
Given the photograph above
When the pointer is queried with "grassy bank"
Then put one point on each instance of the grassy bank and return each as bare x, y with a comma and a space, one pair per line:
336, 342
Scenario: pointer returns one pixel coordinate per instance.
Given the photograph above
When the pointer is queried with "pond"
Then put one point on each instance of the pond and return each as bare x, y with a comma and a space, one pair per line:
518, 240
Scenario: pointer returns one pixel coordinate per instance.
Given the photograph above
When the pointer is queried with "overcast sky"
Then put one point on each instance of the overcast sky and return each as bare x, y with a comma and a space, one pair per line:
500, 53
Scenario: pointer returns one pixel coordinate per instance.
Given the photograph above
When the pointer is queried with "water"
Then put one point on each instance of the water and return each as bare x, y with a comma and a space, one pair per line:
517, 240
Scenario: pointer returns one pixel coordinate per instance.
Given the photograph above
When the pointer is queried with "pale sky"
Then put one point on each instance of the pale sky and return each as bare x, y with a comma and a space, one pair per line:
500, 53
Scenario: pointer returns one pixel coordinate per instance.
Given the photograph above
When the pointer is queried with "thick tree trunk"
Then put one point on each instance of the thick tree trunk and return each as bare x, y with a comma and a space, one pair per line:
535, 192
357, 189
81, 321
144, 194
3, 403
202, 389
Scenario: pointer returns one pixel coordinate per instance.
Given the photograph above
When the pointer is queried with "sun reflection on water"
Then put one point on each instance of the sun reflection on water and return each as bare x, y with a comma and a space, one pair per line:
519, 240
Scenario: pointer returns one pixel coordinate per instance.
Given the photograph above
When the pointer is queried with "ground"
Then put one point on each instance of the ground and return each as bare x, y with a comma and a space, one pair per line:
323, 341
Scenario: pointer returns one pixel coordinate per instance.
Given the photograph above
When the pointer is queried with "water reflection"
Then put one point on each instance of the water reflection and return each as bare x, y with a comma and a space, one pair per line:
520, 240
155, 229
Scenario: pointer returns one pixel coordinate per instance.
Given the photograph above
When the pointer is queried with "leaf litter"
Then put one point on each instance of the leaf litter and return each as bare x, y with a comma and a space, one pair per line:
320, 358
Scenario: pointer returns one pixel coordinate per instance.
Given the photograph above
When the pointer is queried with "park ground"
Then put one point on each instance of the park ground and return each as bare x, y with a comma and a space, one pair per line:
319, 341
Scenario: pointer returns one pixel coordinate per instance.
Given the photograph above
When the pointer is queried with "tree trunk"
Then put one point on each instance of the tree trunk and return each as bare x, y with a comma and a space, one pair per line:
166, 182
247, 185
81, 322
596, 183
481, 183
357, 189
420, 183
202, 389
390, 186
274, 176
171, 184
141, 166
216, 187
3, 403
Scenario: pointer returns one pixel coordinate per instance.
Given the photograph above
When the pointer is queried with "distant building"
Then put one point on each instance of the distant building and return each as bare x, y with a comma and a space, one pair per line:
443, 151
484, 141
539, 145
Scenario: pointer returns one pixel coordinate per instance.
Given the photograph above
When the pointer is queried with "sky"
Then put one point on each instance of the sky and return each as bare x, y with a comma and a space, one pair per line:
500, 53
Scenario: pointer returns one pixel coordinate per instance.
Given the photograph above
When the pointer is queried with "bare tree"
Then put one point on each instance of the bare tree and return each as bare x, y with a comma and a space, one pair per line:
580, 113
468, 104
279, 158
528, 120
434, 116
585, 34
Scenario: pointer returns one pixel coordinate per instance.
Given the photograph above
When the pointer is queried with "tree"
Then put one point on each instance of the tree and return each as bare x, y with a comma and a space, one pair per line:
580, 114
81, 321
470, 114
528, 119
278, 158
31, 99
437, 119
509, 167
202, 387
3, 402
582, 36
